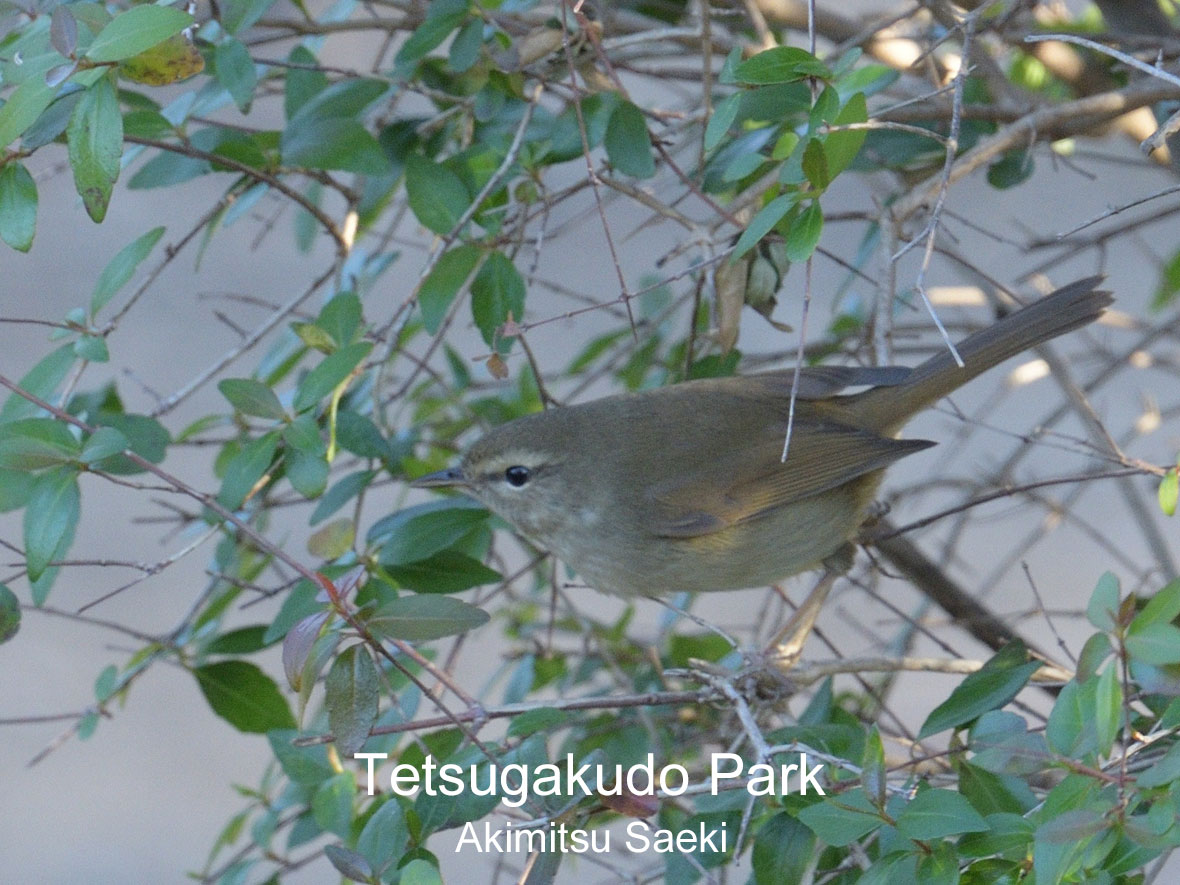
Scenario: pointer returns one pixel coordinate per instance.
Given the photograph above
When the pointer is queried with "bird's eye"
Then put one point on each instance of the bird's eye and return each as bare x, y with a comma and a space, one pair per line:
517, 475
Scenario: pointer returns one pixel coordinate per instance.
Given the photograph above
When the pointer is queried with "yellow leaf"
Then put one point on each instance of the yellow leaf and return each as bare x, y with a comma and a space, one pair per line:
174, 59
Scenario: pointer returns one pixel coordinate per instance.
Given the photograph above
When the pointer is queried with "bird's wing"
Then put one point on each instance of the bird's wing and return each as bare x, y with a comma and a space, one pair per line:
821, 382
749, 481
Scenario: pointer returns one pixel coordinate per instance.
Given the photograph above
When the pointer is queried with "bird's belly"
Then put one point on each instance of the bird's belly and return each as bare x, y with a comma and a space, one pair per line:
756, 552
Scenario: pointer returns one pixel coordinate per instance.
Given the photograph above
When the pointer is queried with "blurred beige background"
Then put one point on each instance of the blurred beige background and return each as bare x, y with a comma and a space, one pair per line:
145, 797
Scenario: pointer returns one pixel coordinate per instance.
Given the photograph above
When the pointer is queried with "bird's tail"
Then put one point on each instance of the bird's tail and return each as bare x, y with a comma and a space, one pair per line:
1064, 310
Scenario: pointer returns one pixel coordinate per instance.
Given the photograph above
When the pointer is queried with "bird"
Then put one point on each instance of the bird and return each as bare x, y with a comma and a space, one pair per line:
683, 487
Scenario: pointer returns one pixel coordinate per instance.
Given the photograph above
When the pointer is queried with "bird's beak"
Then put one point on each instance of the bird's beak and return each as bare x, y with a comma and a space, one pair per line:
452, 476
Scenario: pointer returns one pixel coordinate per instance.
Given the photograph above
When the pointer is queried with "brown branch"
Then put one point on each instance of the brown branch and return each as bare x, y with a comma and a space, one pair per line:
1046, 124
937, 586
651, 699
343, 245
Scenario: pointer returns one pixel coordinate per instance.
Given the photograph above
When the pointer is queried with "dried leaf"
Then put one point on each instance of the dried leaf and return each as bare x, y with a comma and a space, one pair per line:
497, 367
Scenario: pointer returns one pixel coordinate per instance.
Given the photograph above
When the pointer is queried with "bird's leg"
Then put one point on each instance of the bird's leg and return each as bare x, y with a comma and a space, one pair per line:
874, 513
788, 644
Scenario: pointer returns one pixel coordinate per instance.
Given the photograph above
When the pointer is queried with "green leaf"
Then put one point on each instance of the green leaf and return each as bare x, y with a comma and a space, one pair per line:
301, 84
537, 720
9, 614
332, 540
873, 774
991, 793
1163, 771
443, 282
998, 682
742, 166
148, 438
106, 683
120, 268
1013, 168
466, 46
1010, 837
1161, 608
1108, 709
827, 106
1074, 825
330, 373
168, 168
95, 138
938, 867
51, 516
52, 123
805, 233
422, 872
41, 381
140, 27
417, 533
23, 107
242, 641
934, 814
347, 99
782, 64
341, 318
1169, 490
340, 494
307, 472
841, 148
896, 866
1155, 644
333, 143
252, 397
351, 693
815, 164
18, 206
762, 223
785, 146
385, 835
34, 443
418, 618
348, 863
447, 571
724, 113
92, 348
332, 806
567, 134
308, 766
869, 79
782, 851
1165, 293
1003, 744
497, 292
1095, 650
442, 17
15, 488
299, 645
1103, 607
237, 15
437, 196
1070, 729
313, 336
628, 144
236, 72
298, 604
103, 443
244, 696
839, 820
245, 469
359, 435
